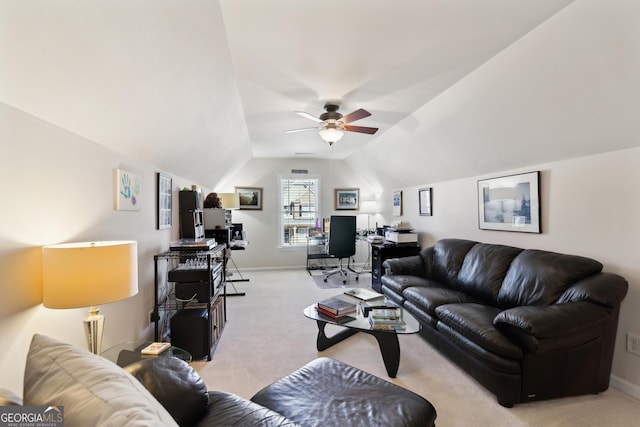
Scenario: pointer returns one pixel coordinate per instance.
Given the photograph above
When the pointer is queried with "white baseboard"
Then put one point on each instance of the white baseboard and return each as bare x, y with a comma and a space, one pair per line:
625, 387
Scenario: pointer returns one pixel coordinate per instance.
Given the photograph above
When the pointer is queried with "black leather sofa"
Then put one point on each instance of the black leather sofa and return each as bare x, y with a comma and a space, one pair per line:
526, 324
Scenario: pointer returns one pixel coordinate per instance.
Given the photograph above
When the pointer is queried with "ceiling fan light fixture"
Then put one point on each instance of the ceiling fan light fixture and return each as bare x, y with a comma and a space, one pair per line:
331, 134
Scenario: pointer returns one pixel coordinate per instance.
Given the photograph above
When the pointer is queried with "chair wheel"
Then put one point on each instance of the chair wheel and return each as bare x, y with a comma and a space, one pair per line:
357, 277
344, 282
325, 280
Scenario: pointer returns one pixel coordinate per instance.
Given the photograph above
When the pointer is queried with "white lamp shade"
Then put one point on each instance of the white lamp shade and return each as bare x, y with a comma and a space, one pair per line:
230, 200
89, 273
369, 207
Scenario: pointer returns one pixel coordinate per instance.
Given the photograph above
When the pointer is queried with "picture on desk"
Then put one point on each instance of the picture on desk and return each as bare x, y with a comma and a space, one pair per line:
315, 232
236, 232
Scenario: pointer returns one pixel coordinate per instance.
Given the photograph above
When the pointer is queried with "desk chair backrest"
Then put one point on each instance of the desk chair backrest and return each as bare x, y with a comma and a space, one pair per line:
342, 236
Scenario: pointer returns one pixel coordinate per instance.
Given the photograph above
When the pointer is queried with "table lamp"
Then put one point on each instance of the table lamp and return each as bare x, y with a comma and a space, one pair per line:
369, 207
230, 200
87, 274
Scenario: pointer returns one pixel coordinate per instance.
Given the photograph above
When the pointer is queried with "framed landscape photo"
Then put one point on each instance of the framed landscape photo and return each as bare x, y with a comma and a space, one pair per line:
250, 198
164, 211
347, 199
397, 203
510, 203
424, 201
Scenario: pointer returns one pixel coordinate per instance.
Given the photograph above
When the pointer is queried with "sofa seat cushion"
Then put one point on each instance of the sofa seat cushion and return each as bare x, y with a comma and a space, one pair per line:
399, 283
480, 354
93, 390
475, 322
326, 392
430, 298
228, 409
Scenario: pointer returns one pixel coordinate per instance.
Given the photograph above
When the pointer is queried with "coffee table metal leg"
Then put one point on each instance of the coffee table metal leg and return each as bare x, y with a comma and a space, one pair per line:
390, 350
324, 342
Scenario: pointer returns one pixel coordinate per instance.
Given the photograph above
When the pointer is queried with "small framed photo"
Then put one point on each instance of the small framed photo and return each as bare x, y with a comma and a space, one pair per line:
397, 203
424, 201
510, 203
250, 198
164, 212
347, 199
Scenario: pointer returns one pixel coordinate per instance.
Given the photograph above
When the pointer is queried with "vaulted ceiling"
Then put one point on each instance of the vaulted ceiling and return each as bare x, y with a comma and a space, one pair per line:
199, 87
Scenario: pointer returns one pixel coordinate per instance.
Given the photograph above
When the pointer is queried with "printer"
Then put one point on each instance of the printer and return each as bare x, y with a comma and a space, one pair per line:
400, 236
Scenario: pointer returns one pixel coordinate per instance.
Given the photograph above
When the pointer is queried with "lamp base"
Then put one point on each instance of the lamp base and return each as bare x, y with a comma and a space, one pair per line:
93, 327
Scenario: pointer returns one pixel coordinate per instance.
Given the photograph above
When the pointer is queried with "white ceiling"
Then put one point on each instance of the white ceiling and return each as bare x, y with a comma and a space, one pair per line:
390, 58
199, 87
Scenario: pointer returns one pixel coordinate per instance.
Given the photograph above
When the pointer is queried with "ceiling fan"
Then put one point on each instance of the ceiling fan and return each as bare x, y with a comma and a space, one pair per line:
331, 125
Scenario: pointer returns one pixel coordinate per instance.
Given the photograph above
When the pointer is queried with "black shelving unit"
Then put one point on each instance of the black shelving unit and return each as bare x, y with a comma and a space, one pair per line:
187, 281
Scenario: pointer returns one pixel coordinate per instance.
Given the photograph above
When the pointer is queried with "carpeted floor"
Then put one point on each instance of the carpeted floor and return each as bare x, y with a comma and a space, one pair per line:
359, 280
267, 337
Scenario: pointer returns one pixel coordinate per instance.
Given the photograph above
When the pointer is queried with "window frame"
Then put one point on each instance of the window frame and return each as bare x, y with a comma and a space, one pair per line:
282, 221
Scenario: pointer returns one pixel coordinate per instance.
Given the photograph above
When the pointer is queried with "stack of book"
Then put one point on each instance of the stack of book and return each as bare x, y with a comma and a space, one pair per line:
362, 294
336, 308
387, 319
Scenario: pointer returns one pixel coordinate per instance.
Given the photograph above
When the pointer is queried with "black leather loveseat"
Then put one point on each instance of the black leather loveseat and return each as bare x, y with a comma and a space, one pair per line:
527, 324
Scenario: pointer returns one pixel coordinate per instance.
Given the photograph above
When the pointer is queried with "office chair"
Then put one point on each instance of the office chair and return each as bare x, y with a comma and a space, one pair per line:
342, 243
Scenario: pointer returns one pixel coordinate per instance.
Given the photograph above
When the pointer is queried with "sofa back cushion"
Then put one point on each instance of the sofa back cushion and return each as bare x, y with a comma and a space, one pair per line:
483, 270
448, 256
176, 385
539, 277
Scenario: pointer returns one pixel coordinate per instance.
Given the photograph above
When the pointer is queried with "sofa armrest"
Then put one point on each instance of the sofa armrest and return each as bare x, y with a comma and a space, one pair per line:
406, 266
551, 327
606, 289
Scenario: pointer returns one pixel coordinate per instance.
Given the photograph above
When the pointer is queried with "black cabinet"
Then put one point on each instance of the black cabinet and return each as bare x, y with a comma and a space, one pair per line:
381, 252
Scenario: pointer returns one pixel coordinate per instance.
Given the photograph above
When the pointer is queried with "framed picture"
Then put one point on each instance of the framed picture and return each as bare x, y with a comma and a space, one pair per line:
128, 190
424, 201
397, 203
347, 199
164, 212
510, 203
250, 198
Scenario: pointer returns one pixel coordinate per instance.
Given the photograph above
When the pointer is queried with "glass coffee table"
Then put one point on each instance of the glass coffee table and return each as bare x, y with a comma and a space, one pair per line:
129, 352
387, 339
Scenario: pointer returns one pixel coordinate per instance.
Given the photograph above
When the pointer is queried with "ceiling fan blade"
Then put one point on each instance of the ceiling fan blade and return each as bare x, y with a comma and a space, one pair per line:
356, 115
299, 130
309, 116
361, 129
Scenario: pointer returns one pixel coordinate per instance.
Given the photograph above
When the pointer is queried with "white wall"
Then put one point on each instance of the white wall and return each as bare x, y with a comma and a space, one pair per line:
58, 187
589, 207
262, 226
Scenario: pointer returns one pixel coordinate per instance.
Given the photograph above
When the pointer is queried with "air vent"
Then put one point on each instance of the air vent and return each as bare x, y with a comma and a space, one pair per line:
299, 171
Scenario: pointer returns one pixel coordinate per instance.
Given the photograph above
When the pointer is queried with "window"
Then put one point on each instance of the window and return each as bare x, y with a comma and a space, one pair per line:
299, 204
